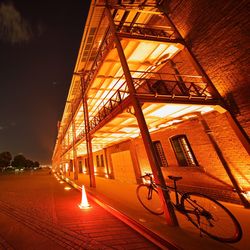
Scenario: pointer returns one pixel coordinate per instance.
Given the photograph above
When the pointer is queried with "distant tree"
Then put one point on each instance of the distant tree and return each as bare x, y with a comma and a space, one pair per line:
5, 159
19, 161
29, 164
36, 164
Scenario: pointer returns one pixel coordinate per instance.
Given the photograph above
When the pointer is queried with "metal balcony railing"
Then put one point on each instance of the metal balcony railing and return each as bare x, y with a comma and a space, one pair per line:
134, 2
171, 85
154, 84
172, 88
102, 52
106, 108
80, 136
138, 30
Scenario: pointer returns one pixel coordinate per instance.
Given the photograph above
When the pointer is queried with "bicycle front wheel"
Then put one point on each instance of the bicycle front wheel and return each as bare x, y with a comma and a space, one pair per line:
211, 217
149, 199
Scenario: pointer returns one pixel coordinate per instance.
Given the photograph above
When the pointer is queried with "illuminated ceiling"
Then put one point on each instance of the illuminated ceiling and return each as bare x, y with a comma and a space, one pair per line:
142, 55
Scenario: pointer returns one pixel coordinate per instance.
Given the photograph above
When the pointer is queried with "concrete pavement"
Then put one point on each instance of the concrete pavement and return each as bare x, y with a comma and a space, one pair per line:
185, 237
37, 212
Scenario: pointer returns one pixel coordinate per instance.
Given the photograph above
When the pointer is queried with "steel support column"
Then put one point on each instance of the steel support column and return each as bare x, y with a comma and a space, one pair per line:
164, 195
106, 162
89, 145
75, 164
68, 155
87, 134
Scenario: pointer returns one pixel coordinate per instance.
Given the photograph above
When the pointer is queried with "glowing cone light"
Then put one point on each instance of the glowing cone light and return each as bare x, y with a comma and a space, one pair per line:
84, 204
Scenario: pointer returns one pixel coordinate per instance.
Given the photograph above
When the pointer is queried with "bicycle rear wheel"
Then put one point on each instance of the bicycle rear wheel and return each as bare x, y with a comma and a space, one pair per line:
150, 201
211, 217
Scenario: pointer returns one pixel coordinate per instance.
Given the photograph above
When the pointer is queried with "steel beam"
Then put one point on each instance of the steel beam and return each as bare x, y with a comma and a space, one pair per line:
87, 135
75, 163
149, 38
164, 195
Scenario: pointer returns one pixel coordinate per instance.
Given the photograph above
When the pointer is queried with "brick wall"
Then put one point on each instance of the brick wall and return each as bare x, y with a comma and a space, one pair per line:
233, 151
218, 34
210, 170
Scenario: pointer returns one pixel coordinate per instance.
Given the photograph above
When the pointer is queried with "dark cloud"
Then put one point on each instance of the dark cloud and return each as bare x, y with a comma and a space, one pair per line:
7, 125
13, 28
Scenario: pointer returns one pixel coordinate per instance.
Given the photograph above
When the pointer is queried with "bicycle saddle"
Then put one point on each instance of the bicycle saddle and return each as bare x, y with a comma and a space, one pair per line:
174, 178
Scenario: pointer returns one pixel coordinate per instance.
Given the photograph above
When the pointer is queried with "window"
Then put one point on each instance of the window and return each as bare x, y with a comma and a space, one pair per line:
80, 166
86, 164
102, 161
161, 159
71, 165
97, 161
183, 151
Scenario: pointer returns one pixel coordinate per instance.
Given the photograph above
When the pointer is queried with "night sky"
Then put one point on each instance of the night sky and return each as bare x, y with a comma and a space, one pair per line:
39, 43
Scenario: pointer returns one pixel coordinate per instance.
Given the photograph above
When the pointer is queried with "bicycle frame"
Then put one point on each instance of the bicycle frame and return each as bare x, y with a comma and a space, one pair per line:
154, 186
200, 209
177, 205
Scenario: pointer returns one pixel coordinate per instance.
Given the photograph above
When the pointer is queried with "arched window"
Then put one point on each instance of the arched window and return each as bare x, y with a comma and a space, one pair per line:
161, 158
183, 151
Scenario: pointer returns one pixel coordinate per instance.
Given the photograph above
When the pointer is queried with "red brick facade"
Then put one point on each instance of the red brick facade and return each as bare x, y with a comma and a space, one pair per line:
217, 32
209, 176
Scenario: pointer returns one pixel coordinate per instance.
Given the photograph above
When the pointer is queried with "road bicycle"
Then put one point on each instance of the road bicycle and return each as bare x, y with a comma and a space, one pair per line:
205, 213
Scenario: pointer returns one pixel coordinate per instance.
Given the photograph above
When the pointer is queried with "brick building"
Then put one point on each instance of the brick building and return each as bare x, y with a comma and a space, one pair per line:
162, 87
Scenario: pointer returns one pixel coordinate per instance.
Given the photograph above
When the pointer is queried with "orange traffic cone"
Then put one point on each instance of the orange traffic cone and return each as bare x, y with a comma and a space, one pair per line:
84, 204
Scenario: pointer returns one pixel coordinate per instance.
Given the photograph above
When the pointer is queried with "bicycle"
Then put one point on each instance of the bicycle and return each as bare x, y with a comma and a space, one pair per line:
205, 213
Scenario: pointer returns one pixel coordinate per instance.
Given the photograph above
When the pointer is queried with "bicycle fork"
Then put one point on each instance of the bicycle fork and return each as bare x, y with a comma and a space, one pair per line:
205, 214
150, 192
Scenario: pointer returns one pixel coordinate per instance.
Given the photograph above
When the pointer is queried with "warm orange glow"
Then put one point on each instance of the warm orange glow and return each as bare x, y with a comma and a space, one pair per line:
172, 49
167, 124
193, 108
166, 110
84, 203
147, 59
67, 188
247, 194
66, 167
158, 51
75, 185
142, 51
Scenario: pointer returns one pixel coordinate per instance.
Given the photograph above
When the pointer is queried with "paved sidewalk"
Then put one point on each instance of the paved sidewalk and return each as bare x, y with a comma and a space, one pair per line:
185, 237
37, 212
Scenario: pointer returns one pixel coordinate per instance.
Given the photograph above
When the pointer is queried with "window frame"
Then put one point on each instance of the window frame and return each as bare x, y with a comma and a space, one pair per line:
97, 161
184, 152
162, 162
102, 161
